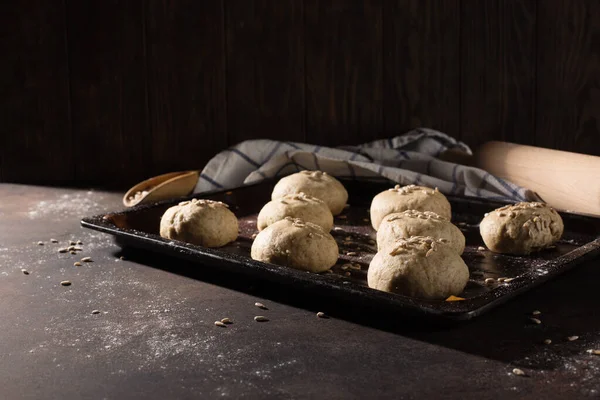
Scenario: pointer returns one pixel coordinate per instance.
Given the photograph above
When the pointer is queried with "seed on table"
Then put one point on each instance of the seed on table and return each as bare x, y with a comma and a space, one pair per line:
72, 243
77, 249
226, 321
53, 241
572, 338
536, 312
351, 253
77, 264
321, 314
260, 318
66, 283
95, 311
25, 272
481, 248
71, 248
261, 305
547, 341
489, 281
535, 321
518, 372
73, 252
219, 323
62, 250
86, 259
79, 242
41, 243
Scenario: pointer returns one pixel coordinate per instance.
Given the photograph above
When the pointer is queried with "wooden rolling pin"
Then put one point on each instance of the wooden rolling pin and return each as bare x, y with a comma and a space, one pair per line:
566, 181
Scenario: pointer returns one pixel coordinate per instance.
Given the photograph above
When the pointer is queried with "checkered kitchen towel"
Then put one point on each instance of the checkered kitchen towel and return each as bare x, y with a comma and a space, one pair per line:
406, 159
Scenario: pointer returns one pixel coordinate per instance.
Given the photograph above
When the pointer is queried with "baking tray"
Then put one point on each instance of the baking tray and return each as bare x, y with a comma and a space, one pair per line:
139, 226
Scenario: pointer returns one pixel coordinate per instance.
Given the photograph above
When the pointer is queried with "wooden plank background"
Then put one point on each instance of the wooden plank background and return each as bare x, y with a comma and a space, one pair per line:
111, 92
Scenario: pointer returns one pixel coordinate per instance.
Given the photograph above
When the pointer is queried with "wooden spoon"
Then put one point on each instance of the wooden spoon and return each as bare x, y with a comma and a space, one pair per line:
161, 187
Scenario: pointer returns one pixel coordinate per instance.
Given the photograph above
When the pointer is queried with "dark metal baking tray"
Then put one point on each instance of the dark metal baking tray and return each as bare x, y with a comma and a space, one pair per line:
138, 227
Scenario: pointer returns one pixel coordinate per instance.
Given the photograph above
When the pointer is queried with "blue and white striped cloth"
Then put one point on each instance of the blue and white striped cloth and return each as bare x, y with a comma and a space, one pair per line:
406, 159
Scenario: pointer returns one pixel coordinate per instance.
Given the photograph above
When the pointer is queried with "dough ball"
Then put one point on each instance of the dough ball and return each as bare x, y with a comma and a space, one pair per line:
299, 205
409, 197
521, 228
206, 223
418, 223
420, 266
294, 243
314, 183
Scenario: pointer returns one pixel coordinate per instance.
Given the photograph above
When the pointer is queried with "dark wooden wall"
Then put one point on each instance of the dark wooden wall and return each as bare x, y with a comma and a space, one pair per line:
109, 92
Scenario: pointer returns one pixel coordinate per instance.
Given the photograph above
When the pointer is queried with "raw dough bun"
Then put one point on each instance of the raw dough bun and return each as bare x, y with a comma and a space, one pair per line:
300, 205
206, 223
314, 183
420, 266
297, 244
418, 223
521, 228
409, 197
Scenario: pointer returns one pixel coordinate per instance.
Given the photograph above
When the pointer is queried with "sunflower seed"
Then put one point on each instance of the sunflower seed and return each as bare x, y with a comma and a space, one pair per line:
77, 264
351, 253
86, 259
73, 252
72, 243
62, 250
95, 312
518, 372
77, 249
481, 248
535, 321
226, 321
121, 258
355, 267
53, 241
508, 280
261, 305
489, 281
572, 338
66, 283
71, 248
502, 279
260, 318
41, 243
547, 341
321, 314
536, 312
25, 272
79, 242
221, 324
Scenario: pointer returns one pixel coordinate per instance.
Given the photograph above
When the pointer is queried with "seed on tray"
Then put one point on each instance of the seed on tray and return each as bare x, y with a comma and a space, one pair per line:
371, 241
321, 314
508, 280
261, 305
351, 253
489, 281
536, 312
518, 372
337, 228
547, 341
66, 283
481, 248
62, 250
572, 338
260, 318
221, 324
344, 267
95, 312
347, 273
25, 272
536, 321
595, 352
502, 279
86, 259
342, 216
77, 264
226, 321
355, 267
53, 241
40, 243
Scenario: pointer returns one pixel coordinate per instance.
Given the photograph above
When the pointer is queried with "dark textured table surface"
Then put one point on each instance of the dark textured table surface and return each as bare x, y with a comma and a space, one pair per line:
155, 335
